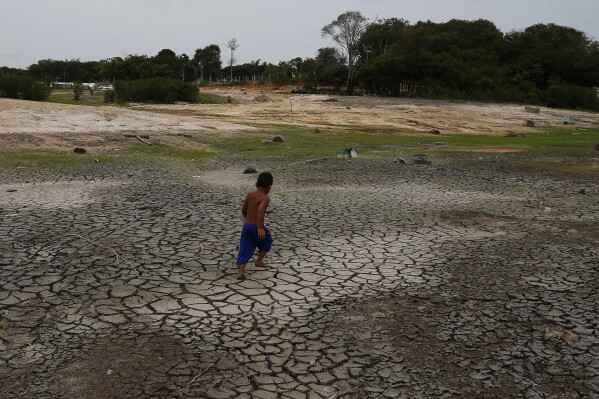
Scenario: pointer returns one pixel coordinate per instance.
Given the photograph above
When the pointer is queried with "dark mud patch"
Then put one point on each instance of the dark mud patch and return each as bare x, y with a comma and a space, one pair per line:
149, 364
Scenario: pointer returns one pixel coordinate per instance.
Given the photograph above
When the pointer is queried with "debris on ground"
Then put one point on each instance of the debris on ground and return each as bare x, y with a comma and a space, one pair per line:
532, 110
529, 123
439, 143
249, 170
262, 99
421, 159
278, 139
79, 150
347, 153
185, 135
266, 141
399, 160
435, 131
330, 100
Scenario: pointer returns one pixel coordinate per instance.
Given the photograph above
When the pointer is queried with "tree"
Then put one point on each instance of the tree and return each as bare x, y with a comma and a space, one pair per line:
208, 60
346, 31
232, 45
331, 68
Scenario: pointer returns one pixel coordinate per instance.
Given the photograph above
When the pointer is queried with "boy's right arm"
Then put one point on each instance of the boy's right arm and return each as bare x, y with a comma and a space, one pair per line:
261, 213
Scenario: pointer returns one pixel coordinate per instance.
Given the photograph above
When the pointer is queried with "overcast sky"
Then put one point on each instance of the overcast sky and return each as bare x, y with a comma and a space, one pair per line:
269, 30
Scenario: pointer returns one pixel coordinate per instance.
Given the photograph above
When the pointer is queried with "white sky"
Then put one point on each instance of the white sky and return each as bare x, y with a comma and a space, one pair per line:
269, 30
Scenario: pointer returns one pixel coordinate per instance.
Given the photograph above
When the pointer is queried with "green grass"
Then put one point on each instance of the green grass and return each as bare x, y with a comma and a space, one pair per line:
23, 158
65, 96
301, 141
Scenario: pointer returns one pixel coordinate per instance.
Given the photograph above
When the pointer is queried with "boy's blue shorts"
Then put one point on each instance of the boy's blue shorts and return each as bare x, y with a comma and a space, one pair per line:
250, 241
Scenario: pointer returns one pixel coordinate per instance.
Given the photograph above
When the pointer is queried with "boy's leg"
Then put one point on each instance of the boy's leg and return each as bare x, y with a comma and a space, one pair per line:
241, 274
260, 260
264, 246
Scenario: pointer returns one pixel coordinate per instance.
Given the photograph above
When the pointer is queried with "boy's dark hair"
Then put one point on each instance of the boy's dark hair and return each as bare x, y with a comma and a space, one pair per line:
264, 180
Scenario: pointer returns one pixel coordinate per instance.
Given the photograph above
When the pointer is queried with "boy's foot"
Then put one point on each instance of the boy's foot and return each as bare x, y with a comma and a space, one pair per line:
261, 264
241, 277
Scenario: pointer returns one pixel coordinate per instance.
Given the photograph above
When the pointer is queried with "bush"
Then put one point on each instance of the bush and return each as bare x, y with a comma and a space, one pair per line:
40, 91
24, 87
158, 90
572, 96
109, 96
77, 91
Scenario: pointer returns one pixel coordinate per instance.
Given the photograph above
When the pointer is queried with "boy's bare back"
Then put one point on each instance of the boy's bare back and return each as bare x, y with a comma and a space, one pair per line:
254, 207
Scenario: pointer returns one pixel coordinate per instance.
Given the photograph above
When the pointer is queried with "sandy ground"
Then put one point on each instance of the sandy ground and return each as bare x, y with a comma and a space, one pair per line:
24, 123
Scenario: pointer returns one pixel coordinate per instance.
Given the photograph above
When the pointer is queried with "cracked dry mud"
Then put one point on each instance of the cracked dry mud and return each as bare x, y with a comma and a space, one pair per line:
385, 281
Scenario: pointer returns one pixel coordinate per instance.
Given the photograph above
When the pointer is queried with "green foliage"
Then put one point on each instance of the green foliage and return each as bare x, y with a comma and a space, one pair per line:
572, 96
474, 60
157, 90
77, 91
24, 87
109, 96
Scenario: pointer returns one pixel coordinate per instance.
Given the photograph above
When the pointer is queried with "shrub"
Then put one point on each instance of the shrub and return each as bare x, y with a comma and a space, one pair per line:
40, 91
158, 90
14, 86
109, 96
572, 96
77, 91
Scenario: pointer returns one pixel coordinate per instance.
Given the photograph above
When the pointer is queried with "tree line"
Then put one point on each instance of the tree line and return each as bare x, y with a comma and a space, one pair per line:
542, 64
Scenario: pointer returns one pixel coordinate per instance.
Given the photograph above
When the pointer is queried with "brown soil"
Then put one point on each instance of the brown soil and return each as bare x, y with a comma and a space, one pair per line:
29, 125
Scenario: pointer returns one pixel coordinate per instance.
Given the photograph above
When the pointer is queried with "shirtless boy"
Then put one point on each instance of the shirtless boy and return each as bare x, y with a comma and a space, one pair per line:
255, 234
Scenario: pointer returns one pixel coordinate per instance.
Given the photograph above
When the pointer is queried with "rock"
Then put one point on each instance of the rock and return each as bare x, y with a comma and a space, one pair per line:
262, 99
266, 141
229, 99
278, 139
435, 131
316, 130
330, 100
249, 169
566, 122
421, 159
532, 110
529, 123
347, 107
79, 150
399, 160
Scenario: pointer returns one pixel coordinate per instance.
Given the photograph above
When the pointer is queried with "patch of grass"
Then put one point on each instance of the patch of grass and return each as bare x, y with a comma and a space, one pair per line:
65, 96
305, 142
22, 158
186, 154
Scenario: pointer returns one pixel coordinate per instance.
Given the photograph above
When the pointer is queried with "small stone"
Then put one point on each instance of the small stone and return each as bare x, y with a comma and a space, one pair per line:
79, 150
529, 123
248, 170
266, 141
435, 131
278, 139
399, 160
